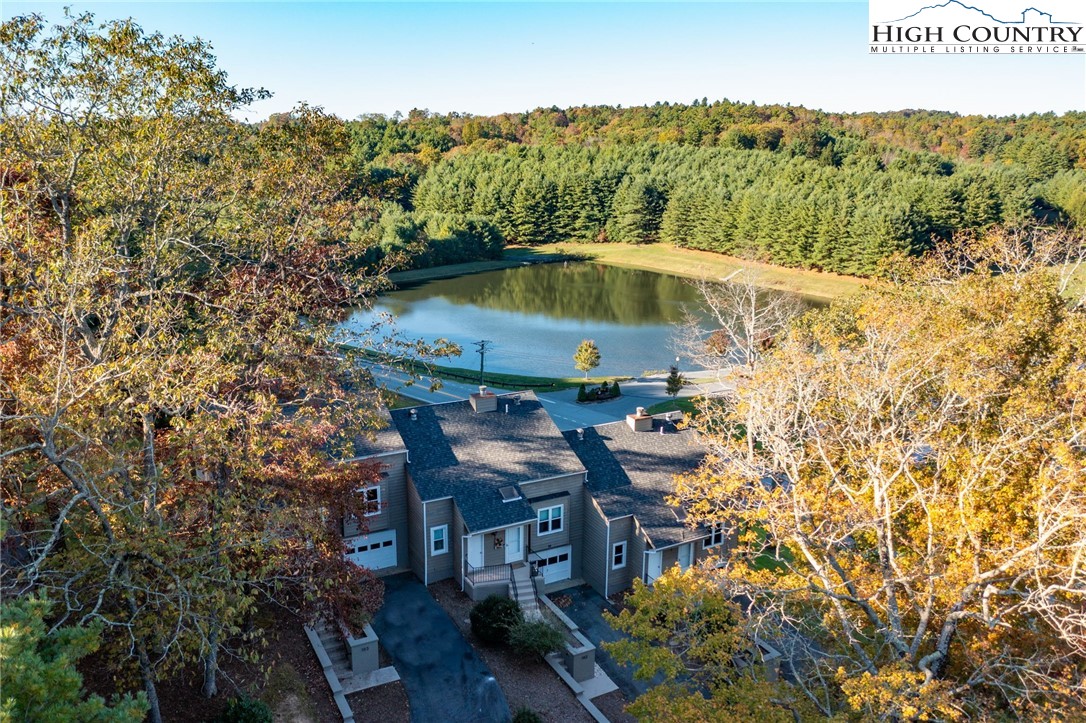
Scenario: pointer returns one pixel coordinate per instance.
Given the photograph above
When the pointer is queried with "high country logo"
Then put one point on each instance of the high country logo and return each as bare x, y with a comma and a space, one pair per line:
959, 26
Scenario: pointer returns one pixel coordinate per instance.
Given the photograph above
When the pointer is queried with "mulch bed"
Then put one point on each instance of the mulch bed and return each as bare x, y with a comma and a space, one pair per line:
386, 703
613, 705
526, 682
295, 680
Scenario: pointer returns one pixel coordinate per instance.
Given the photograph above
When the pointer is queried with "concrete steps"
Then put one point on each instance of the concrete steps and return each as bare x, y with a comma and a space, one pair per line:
524, 591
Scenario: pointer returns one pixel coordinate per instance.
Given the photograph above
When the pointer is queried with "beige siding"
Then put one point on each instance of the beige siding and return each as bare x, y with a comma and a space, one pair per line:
595, 542
621, 530
573, 527
457, 530
393, 498
416, 539
493, 555
394, 508
637, 554
442, 512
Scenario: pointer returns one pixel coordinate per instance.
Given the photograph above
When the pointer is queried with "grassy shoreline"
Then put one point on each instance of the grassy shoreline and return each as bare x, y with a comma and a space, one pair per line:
661, 258
695, 264
493, 379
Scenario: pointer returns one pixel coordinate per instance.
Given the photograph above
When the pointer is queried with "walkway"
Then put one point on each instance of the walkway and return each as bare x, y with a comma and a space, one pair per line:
587, 611
444, 678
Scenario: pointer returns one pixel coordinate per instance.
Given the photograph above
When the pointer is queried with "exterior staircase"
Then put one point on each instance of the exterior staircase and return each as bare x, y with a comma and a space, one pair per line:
524, 592
336, 649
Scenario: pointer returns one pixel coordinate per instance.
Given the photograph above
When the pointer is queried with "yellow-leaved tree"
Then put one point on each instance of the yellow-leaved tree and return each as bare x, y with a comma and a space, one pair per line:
910, 503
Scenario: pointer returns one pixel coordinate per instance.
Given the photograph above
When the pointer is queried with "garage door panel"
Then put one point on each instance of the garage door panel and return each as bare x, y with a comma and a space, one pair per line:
555, 564
375, 551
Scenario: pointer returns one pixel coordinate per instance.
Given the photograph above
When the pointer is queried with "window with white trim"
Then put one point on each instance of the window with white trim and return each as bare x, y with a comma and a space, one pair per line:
549, 520
371, 496
716, 535
618, 555
439, 540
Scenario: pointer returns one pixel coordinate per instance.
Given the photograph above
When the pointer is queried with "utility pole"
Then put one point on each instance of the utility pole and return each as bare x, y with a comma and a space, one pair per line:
483, 347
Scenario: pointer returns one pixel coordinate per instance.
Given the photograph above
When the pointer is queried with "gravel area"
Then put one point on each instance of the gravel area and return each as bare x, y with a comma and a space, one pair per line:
526, 683
613, 705
384, 704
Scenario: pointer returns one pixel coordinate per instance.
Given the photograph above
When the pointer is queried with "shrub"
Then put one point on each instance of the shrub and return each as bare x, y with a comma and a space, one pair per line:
605, 389
536, 638
615, 391
493, 618
526, 715
582, 395
245, 710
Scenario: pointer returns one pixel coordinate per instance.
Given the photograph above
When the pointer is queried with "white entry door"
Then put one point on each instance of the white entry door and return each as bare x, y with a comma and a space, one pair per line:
686, 556
475, 550
514, 544
655, 566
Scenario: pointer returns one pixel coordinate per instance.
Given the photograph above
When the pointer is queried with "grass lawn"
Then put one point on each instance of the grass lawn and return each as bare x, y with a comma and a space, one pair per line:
685, 405
687, 262
493, 379
399, 401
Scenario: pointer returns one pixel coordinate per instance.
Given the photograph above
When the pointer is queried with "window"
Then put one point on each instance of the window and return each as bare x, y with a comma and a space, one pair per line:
716, 535
618, 555
439, 537
550, 520
372, 497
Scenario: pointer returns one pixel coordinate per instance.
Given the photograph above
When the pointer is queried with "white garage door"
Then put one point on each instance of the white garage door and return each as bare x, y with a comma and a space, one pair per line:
554, 564
376, 550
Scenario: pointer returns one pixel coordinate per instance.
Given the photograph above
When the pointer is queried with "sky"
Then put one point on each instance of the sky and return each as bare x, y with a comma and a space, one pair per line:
353, 58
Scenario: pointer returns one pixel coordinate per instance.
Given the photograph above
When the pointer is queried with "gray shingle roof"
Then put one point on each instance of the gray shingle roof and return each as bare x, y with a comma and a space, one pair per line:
631, 472
459, 453
384, 440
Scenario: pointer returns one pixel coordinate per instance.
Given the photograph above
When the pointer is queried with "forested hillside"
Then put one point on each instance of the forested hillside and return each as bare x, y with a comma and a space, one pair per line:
787, 185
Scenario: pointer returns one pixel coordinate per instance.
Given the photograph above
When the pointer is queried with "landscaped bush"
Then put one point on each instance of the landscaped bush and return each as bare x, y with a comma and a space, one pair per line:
598, 394
493, 618
245, 710
536, 638
526, 715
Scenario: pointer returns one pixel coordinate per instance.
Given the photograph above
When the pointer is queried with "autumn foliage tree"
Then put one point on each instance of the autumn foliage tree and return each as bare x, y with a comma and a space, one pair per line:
172, 409
912, 517
684, 631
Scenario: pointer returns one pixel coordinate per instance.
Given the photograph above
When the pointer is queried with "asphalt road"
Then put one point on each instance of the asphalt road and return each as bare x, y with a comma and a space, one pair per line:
562, 405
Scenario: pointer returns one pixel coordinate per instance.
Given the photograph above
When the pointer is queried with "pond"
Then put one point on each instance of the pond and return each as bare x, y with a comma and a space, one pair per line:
537, 315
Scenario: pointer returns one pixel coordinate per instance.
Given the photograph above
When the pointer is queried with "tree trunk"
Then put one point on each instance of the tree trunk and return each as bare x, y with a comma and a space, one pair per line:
154, 714
211, 662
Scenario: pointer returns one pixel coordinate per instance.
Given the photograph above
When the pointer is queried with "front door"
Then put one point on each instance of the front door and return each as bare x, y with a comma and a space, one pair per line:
475, 550
514, 544
655, 566
686, 556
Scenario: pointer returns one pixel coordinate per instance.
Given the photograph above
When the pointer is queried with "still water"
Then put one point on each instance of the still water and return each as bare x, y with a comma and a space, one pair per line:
537, 315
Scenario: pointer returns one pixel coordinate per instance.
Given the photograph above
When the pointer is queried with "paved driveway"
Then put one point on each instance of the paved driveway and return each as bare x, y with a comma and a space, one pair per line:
444, 678
587, 611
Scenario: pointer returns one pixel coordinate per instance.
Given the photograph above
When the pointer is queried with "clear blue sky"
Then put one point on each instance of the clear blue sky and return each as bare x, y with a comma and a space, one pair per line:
367, 57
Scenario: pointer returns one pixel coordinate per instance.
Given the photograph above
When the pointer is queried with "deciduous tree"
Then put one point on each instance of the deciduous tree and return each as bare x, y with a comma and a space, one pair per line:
919, 477
587, 356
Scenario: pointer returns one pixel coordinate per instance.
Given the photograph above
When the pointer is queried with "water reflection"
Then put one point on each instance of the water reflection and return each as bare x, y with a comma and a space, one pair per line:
536, 315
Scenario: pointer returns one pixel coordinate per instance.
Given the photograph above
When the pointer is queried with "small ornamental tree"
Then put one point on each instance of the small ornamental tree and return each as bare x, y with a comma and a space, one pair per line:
582, 394
615, 391
587, 356
675, 382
